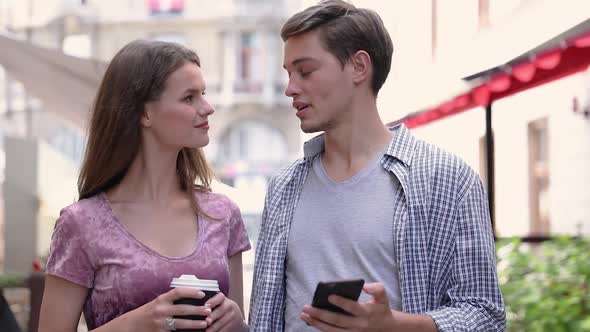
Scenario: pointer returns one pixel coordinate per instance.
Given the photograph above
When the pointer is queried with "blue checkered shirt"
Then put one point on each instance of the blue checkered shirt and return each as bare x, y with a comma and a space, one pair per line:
443, 239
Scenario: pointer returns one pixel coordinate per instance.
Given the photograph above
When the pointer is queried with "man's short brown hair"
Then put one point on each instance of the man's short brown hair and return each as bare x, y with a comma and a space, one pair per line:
344, 30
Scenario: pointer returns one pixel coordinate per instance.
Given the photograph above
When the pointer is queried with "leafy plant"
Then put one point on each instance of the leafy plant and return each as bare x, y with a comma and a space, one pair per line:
546, 286
11, 280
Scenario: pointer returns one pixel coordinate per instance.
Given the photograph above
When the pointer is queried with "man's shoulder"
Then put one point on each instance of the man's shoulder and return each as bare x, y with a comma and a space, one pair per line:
285, 175
422, 156
286, 172
443, 165
436, 155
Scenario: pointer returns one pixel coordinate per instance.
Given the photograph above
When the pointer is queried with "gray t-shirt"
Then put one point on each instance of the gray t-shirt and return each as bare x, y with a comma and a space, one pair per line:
341, 230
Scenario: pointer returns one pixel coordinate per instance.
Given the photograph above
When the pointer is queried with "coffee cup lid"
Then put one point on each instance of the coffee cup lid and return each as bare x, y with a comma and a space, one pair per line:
188, 280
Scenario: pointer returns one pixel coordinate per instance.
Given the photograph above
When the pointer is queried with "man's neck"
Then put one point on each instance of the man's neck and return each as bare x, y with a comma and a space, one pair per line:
353, 143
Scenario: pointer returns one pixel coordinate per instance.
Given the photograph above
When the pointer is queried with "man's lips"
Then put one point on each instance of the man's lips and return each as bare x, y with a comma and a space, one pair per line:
301, 112
300, 107
203, 125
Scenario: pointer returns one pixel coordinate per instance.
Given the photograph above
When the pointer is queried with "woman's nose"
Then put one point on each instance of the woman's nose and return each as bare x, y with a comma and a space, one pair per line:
206, 109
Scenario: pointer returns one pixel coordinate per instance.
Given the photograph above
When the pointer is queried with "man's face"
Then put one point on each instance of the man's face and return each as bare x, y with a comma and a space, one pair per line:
320, 87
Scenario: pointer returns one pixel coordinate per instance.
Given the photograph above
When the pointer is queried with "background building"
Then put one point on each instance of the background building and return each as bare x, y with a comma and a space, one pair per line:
253, 131
541, 135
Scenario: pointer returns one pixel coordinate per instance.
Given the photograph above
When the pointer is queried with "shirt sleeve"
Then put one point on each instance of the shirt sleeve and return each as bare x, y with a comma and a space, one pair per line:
238, 238
476, 303
68, 252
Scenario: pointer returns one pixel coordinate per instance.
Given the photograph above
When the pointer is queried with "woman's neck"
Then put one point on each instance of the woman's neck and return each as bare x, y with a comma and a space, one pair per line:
152, 178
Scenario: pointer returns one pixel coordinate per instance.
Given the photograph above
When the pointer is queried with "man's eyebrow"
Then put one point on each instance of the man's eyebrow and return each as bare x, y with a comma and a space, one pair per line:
295, 62
193, 90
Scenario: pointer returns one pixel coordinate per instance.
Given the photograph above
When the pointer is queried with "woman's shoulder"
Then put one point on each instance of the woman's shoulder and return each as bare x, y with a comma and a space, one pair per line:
82, 211
217, 204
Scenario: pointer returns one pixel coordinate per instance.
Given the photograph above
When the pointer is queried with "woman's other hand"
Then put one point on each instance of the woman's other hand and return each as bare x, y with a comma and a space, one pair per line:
226, 315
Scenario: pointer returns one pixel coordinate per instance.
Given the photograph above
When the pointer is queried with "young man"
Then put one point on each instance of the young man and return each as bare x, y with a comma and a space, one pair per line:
367, 201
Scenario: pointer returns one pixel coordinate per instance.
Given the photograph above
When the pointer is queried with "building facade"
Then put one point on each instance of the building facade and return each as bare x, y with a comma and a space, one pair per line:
542, 135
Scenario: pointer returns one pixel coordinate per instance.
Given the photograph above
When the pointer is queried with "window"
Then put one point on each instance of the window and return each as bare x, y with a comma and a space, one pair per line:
246, 53
70, 142
247, 77
539, 177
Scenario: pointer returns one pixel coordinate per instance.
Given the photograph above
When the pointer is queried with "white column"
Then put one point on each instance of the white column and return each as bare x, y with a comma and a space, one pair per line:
21, 204
229, 67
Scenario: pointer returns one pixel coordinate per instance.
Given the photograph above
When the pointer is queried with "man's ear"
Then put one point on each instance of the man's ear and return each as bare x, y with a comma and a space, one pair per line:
146, 117
361, 62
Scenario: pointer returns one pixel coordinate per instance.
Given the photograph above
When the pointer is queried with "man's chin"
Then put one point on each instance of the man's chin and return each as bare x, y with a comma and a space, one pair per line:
310, 129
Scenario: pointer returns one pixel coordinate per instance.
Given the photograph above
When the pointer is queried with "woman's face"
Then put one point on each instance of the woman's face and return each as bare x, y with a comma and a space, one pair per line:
178, 118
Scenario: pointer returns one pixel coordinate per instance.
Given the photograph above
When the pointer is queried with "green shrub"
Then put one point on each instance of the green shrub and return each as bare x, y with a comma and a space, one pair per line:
546, 286
10, 280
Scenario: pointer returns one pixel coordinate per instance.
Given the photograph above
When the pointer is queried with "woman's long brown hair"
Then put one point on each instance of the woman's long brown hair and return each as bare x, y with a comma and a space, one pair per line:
135, 76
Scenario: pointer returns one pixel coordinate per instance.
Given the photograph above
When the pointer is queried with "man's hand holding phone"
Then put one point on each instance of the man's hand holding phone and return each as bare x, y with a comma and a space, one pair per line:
373, 315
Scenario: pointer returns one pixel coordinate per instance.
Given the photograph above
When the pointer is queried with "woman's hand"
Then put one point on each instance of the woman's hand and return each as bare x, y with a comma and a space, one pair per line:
156, 315
226, 315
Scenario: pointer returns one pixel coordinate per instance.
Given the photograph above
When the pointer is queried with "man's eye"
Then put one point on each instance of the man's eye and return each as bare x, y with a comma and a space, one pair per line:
188, 99
304, 73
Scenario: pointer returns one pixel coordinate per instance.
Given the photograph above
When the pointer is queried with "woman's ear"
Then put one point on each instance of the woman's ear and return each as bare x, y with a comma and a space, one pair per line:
146, 117
361, 62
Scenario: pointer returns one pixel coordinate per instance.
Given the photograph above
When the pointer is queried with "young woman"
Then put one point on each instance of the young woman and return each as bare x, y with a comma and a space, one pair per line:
146, 213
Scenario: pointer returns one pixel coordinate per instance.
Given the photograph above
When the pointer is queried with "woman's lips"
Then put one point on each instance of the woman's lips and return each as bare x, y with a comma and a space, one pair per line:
204, 125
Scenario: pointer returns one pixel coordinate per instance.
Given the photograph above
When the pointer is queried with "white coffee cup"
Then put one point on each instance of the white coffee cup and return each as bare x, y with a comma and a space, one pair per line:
209, 287
191, 281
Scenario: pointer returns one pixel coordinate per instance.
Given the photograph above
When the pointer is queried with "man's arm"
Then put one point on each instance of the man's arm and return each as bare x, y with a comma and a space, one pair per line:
412, 322
255, 299
475, 302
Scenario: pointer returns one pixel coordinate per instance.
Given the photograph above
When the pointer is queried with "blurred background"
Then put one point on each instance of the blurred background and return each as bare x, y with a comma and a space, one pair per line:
504, 84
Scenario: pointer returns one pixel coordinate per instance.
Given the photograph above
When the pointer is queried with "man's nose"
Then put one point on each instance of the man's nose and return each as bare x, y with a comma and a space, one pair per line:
292, 89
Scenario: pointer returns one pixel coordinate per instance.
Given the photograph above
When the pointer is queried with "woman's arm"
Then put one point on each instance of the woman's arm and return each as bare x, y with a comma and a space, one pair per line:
236, 281
63, 301
62, 305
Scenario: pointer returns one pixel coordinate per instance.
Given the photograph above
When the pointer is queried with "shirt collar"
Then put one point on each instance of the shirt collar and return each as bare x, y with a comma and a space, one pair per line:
402, 145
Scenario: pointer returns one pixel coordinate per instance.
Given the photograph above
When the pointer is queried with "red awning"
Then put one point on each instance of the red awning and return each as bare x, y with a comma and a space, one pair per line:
571, 57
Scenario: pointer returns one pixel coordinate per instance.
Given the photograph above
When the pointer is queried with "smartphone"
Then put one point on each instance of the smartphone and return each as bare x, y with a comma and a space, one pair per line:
350, 289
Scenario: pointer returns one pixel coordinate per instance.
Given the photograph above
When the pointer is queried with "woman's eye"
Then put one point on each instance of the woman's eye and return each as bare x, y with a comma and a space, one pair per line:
188, 99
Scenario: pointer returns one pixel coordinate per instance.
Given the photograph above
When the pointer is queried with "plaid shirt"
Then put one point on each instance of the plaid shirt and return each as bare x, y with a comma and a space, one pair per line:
443, 239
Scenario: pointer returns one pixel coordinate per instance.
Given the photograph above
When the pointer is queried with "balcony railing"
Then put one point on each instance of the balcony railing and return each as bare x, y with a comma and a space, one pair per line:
247, 87
247, 92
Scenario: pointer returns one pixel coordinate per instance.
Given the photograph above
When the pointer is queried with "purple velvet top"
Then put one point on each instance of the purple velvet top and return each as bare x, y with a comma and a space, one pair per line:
91, 248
